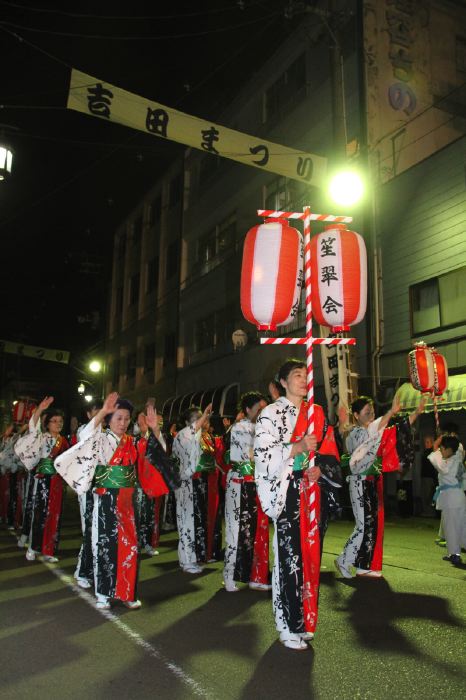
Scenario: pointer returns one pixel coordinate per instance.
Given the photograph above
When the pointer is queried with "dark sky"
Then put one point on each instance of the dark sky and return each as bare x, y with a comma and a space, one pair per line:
75, 177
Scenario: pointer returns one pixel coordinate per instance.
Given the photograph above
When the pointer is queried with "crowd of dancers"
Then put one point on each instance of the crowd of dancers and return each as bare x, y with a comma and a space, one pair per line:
263, 468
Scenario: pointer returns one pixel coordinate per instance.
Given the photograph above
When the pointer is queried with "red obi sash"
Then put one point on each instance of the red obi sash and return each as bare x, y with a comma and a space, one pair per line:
151, 480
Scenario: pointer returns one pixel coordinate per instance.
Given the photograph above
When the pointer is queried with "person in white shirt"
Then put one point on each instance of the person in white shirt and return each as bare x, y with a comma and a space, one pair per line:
449, 496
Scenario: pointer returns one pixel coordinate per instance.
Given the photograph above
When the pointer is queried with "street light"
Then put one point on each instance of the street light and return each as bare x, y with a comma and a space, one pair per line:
95, 366
346, 188
88, 398
6, 161
81, 389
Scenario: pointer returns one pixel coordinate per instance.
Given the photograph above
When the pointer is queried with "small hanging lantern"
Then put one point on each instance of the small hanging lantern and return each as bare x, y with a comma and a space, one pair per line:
271, 274
338, 277
440, 373
23, 410
421, 368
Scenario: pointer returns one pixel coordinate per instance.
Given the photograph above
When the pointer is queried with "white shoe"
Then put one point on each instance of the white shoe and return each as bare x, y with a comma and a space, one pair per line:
293, 641
10, 527
307, 636
83, 582
49, 559
22, 540
192, 569
30, 555
255, 586
151, 551
103, 604
368, 573
231, 587
132, 604
344, 571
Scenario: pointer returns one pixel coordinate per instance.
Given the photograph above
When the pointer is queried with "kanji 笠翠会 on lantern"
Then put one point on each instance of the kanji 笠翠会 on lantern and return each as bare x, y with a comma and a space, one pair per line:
338, 277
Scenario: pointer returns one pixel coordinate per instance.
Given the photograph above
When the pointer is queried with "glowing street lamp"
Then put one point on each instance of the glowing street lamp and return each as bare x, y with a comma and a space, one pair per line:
81, 389
88, 398
6, 161
346, 188
95, 366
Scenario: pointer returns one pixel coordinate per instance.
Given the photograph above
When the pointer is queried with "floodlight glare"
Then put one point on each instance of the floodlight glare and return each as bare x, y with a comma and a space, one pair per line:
346, 188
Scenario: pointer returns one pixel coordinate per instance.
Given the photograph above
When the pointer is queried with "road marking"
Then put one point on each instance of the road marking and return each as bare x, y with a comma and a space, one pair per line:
134, 636
177, 671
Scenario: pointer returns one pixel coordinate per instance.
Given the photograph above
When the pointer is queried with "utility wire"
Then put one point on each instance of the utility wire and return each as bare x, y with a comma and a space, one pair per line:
78, 15
139, 37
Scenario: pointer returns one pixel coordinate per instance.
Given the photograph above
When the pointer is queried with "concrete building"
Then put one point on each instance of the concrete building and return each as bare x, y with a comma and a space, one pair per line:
177, 258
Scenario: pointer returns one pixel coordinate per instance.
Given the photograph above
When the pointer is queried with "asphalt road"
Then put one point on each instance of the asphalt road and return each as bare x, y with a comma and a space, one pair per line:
400, 637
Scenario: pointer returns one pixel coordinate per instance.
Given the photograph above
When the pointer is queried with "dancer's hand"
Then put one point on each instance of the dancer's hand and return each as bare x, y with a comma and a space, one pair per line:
152, 420
314, 474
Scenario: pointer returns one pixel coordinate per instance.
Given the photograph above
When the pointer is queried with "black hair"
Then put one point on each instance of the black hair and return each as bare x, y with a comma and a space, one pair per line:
121, 403
51, 413
450, 441
359, 403
450, 428
187, 416
249, 399
287, 367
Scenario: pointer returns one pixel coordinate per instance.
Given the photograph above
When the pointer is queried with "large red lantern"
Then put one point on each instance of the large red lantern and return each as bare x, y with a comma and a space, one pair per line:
440, 373
271, 275
23, 410
338, 277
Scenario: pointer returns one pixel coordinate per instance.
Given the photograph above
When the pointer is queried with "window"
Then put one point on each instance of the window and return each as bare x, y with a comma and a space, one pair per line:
131, 368
121, 246
137, 231
176, 189
119, 301
115, 373
276, 195
152, 275
149, 361
218, 241
461, 56
280, 93
169, 350
204, 333
155, 212
215, 329
207, 247
172, 260
208, 167
134, 289
439, 302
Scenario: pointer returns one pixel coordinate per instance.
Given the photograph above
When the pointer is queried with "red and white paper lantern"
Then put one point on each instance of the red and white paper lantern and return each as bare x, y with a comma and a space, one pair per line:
23, 410
271, 274
440, 373
421, 368
338, 278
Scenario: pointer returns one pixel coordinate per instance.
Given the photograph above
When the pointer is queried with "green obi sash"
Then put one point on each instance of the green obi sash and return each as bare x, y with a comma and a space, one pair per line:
206, 463
114, 476
301, 461
374, 470
45, 467
245, 468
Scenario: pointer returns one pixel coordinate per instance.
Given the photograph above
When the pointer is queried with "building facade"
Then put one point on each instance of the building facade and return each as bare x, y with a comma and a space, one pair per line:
175, 299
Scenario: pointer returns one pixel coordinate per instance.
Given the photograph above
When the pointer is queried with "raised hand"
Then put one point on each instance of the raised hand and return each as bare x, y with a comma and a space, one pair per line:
152, 419
110, 403
44, 404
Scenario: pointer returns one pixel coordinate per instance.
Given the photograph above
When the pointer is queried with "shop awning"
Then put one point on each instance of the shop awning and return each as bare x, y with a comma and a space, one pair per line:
453, 399
224, 401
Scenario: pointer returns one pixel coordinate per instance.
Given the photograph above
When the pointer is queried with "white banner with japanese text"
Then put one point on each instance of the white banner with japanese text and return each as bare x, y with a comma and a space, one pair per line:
97, 98
33, 351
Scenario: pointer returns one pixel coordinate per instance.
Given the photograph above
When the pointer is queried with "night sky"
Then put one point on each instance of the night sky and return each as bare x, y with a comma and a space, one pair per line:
76, 177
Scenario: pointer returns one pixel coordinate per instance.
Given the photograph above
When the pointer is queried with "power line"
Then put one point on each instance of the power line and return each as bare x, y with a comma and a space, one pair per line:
139, 37
78, 15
